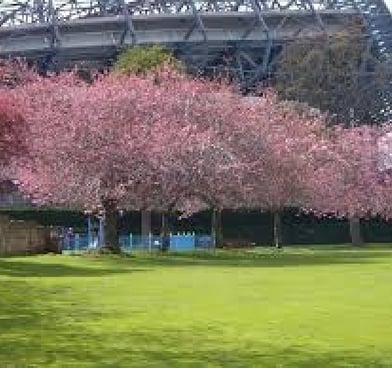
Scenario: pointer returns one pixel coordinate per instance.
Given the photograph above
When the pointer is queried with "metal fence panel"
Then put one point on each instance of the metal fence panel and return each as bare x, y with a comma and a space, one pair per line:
130, 242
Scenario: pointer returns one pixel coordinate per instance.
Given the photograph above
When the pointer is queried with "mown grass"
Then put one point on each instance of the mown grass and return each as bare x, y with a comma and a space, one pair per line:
300, 307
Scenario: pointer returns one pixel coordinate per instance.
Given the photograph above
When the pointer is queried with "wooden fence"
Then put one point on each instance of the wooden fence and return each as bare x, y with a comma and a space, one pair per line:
24, 237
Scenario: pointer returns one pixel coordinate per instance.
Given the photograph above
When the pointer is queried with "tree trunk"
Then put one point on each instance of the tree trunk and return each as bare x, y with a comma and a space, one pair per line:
277, 229
146, 227
111, 226
165, 232
216, 228
355, 231
219, 229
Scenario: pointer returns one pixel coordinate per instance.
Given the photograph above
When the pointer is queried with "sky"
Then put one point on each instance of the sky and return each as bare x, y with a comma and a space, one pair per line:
389, 3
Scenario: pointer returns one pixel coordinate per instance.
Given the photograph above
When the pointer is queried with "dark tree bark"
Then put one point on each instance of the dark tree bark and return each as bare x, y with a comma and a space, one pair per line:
277, 220
145, 227
355, 231
219, 229
111, 226
165, 232
216, 228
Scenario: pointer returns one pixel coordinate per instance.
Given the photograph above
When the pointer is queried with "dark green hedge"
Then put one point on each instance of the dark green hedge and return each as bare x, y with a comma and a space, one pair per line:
48, 217
252, 226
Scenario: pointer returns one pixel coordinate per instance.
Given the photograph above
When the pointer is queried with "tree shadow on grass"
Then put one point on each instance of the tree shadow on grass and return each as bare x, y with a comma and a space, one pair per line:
51, 343
44, 327
164, 351
104, 266
259, 259
16, 268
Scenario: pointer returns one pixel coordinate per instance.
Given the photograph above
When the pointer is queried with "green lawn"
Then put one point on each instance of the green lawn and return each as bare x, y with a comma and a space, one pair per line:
294, 308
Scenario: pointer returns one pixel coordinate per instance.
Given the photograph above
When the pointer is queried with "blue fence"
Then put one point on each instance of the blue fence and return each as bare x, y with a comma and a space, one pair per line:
130, 242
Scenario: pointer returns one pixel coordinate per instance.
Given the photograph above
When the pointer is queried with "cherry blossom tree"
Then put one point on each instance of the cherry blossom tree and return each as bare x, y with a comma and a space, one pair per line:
15, 72
195, 164
165, 141
277, 151
382, 196
252, 152
93, 145
121, 141
13, 135
14, 132
249, 152
348, 181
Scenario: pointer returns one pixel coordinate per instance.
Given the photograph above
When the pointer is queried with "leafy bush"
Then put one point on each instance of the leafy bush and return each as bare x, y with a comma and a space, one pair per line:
142, 59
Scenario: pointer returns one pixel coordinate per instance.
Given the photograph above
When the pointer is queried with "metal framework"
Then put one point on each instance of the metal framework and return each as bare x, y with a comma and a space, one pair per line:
242, 37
